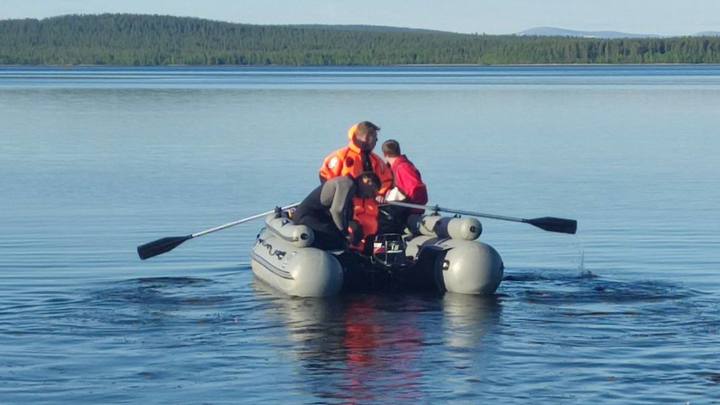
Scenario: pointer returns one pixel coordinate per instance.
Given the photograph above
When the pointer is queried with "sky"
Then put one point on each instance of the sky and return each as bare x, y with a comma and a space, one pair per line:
666, 17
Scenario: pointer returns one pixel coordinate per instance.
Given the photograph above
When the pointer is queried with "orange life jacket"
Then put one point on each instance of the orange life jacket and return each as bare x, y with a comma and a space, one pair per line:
352, 161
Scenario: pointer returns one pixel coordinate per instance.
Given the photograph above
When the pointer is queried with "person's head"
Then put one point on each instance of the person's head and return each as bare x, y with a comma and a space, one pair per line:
364, 135
367, 184
391, 149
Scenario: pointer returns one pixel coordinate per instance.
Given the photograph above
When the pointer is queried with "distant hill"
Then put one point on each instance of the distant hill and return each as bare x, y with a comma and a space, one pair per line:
366, 28
561, 32
152, 40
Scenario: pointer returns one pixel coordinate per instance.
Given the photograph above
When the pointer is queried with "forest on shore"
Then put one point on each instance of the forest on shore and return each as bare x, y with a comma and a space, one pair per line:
153, 40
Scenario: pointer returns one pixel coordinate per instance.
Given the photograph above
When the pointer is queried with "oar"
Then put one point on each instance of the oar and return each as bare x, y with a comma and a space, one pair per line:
164, 245
551, 224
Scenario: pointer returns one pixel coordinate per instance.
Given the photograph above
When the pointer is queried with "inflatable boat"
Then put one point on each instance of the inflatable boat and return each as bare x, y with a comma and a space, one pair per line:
436, 254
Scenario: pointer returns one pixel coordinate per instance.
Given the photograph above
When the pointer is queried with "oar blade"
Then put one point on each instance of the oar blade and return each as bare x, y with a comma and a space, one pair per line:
160, 246
553, 224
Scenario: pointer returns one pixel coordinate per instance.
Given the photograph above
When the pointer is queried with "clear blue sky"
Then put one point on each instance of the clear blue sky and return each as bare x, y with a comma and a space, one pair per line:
670, 17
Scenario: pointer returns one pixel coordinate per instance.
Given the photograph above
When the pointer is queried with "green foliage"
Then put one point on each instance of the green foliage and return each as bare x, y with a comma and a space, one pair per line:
144, 40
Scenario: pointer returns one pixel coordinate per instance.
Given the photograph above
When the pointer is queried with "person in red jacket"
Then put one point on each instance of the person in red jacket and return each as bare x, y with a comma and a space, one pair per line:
353, 160
409, 187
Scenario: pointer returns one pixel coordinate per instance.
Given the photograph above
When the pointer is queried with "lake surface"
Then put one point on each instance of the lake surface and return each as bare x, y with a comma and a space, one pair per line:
95, 161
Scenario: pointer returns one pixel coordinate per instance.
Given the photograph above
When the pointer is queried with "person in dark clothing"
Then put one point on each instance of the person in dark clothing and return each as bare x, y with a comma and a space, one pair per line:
328, 210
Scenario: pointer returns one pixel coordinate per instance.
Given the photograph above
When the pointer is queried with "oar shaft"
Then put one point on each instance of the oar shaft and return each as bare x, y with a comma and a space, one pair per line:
454, 211
240, 221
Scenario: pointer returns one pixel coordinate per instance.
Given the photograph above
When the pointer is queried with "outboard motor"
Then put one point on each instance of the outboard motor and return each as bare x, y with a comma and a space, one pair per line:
389, 251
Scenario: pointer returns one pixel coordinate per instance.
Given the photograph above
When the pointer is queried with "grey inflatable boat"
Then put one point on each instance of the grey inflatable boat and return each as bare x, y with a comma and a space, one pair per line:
438, 254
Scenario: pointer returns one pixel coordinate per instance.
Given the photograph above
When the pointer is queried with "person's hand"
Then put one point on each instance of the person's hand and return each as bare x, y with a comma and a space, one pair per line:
380, 199
355, 233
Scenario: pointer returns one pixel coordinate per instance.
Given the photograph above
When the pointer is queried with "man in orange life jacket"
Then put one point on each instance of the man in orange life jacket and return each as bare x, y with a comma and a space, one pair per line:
351, 161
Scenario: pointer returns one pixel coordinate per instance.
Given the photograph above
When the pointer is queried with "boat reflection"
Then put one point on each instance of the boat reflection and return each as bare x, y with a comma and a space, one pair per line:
361, 348
469, 318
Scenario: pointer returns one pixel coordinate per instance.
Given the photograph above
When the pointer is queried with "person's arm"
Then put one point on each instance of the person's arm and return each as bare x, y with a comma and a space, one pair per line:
331, 167
410, 183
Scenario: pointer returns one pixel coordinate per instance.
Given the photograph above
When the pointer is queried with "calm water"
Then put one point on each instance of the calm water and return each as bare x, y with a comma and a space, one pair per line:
94, 162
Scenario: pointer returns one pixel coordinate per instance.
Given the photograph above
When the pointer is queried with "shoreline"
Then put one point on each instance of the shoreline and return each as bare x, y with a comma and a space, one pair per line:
438, 65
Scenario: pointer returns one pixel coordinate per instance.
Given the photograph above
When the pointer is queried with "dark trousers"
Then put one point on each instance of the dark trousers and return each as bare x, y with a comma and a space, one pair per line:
313, 214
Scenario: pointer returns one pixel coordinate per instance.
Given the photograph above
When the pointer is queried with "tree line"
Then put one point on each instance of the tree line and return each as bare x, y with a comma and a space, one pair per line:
152, 40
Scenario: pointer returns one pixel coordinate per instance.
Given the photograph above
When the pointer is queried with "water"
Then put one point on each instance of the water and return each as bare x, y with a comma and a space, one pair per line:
94, 162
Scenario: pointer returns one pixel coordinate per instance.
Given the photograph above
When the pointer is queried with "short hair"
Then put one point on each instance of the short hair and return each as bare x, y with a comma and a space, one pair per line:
366, 127
391, 148
369, 178
367, 184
